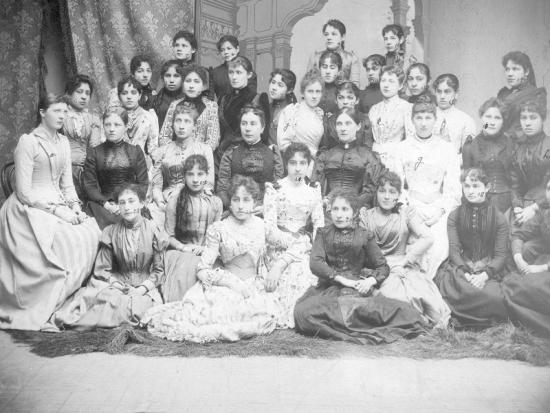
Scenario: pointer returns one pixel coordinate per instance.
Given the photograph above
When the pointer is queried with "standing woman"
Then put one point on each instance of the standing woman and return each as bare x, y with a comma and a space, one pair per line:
303, 122
172, 77
111, 165
417, 81
452, 124
521, 87
195, 92
372, 95
330, 64
47, 244
334, 32
492, 151
82, 128
184, 46
279, 95
141, 68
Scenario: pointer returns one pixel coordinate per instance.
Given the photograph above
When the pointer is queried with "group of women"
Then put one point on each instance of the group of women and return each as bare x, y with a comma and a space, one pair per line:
206, 211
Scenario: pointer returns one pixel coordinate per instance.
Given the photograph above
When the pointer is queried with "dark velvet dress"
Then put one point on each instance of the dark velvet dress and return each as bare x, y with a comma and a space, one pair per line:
332, 311
161, 102
530, 171
229, 110
328, 100
330, 137
369, 97
349, 166
107, 167
528, 296
220, 81
494, 155
478, 241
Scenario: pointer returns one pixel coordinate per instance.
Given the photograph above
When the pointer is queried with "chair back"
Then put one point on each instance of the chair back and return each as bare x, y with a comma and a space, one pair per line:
8, 178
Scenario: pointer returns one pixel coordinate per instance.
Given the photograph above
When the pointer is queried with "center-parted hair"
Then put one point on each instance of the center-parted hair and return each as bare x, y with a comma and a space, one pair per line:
333, 58
256, 110
75, 82
353, 113
448, 78
494, 103
241, 61
524, 61
116, 110
349, 196
171, 64
137, 189
293, 149
376, 59
423, 68
228, 38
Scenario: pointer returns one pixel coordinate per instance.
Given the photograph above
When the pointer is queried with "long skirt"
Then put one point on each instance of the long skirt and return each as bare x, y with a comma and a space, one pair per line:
470, 306
43, 260
343, 314
412, 286
215, 313
181, 274
102, 305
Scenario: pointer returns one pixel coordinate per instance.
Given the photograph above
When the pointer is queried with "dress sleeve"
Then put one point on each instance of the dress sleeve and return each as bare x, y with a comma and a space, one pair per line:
166, 130
153, 134
452, 190
469, 131
157, 180
318, 174
224, 176
376, 262
278, 167
96, 137
66, 184
424, 237
213, 128
24, 156
317, 215
212, 247
467, 155
529, 230
113, 100
156, 277
218, 208
355, 70
91, 184
500, 254
455, 245
103, 267
170, 215
373, 169
317, 259
275, 236
142, 177
285, 128
515, 183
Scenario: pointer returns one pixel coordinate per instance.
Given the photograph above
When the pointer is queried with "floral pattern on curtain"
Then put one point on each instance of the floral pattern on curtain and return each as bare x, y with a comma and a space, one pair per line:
20, 36
106, 34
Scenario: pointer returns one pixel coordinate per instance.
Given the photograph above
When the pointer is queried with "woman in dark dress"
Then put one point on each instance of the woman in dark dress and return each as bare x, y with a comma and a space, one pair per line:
528, 294
350, 267
492, 151
172, 77
521, 87
110, 165
330, 66
471, 280
371, 95
141, 69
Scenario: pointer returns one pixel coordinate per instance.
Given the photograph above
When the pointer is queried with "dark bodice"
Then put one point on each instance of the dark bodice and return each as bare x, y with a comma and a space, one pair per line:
328, 100
330, 136
230, 109
161, 102
256, 161
220, 81
369, 97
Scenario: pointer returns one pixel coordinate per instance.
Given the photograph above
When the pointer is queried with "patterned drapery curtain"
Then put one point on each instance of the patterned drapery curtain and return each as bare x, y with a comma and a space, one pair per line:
20, 37
106, 34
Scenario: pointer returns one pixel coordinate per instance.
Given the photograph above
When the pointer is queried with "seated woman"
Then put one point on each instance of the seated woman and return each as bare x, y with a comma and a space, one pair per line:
171, 74
348, 165
330, 65
82, 128
471, 280
189, 213
195, 90
372, 95
47, 244
492, 151
303, 122
228, 303
141, 69
452, 124
393, 226
167, 173
530, 162
293, 212
430, 168
128, 270
279, 95
527, 294
110, 165
250, 157
350, 268
142, 128
521, 87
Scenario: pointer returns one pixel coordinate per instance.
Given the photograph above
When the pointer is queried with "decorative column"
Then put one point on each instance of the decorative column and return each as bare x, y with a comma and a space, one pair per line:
399, 9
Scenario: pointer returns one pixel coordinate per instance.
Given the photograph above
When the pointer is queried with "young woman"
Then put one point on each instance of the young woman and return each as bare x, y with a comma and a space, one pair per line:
110, 165
530, 162
520, 87
347, 96
391, 118
195, 92
47, 244
142, 128
394, 42
452, 124
240, 72
334, 32
470, 281
279, 95
128, 270
350, 268
141, 68
184, 46
228, 47
303, 122
348, 165
251, 157
330, 64
371, 95
418, 81
228, 303
82, 128
293, 212
430, 168
492, 151
393, 226
189, 213
172, 78
527, 294
168, 169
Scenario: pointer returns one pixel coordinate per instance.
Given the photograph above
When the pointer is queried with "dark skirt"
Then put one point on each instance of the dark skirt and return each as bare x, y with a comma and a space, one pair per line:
181, 274
470, 306
343, 314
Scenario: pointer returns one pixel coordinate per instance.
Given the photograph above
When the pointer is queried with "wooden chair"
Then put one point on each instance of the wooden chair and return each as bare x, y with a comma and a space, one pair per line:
8, 178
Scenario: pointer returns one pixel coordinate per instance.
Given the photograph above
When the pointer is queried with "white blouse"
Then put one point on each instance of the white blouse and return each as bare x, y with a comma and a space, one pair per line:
454, 126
